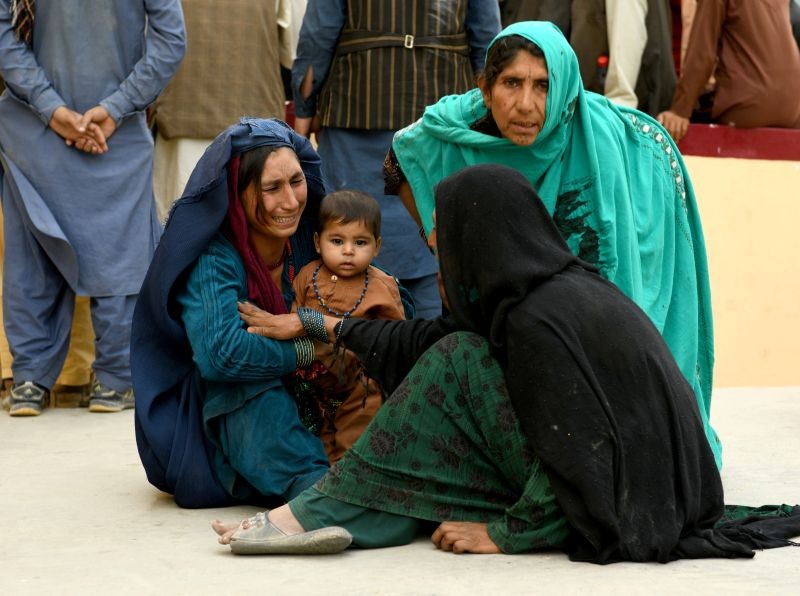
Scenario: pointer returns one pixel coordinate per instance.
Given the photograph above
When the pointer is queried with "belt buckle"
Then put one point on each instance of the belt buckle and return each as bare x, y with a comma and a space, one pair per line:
408, 42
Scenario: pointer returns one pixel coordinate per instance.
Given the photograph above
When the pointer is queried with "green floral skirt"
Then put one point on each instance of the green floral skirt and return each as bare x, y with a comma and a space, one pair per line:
446, 446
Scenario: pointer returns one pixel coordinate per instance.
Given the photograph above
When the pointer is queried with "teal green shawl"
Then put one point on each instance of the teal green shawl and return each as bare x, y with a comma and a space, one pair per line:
615, 184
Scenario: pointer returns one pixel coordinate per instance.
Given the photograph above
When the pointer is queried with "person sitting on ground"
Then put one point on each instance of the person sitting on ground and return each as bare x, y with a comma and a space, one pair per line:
344, 284
555, 417
749, 48
610, 176
217, 419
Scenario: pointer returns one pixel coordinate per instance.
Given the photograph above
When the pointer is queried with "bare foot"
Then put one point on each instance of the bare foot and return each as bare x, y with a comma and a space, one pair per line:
220, 527
282, 518
227, 530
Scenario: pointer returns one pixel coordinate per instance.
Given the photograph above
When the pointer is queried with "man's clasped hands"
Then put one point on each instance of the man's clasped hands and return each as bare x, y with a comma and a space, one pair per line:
87, 132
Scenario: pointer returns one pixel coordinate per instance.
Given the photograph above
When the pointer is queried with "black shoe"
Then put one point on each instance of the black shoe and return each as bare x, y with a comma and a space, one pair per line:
27, 399
105, 399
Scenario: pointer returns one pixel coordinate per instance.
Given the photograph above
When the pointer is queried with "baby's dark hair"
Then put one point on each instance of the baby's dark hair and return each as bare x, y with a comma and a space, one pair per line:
345, 206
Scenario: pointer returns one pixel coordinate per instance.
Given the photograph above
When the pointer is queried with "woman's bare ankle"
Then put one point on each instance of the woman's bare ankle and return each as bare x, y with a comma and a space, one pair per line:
283, 519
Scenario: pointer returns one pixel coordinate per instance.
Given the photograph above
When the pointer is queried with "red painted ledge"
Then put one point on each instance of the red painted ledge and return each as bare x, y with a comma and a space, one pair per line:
714, 140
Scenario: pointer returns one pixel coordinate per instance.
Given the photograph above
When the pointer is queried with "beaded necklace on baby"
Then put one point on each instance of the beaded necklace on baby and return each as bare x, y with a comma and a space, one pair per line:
336, 313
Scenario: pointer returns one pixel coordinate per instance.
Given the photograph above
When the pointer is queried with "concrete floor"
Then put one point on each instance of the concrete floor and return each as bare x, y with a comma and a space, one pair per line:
80, 518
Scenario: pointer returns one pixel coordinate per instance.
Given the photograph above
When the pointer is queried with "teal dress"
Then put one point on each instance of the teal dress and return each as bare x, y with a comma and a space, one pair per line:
249, 412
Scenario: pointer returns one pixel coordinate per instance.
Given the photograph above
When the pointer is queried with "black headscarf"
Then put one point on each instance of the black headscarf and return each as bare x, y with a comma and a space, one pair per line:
597, 392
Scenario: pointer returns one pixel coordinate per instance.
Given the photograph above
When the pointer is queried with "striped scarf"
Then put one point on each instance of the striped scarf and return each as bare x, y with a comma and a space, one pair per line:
22, 14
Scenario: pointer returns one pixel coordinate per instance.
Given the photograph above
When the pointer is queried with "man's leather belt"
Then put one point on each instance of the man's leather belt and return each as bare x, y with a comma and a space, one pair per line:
358, 41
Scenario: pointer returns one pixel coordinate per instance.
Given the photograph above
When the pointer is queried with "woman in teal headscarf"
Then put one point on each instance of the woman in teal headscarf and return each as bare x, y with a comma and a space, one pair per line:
610, 176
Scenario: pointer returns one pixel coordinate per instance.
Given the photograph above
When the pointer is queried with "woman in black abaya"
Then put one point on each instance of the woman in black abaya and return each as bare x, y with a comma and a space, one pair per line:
555, 416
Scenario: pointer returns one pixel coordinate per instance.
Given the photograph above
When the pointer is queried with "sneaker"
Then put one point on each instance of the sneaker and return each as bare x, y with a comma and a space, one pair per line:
105, 399
27, 399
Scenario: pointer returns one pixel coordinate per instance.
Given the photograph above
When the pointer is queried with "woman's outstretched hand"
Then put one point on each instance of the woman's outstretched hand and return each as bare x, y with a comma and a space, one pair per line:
263, 323
464, 537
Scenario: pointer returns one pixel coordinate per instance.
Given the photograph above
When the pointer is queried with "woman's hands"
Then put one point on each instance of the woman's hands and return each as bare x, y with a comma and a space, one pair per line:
286, 326
464, 537
263, 323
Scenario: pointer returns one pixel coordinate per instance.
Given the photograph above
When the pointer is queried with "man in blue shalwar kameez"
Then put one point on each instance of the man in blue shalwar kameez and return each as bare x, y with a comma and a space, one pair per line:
79, 222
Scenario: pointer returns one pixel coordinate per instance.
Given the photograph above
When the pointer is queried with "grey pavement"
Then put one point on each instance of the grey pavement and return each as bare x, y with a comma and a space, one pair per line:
78, 517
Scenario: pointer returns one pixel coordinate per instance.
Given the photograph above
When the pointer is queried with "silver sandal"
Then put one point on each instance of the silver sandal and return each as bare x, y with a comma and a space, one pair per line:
261, 537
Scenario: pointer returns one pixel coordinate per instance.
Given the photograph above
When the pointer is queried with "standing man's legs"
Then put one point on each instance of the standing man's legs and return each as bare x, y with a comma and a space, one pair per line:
72, 385
111, 318
173, 162
38, 305
78, 364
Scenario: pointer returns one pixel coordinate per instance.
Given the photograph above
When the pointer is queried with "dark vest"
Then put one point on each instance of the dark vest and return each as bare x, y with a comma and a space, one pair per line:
394, 58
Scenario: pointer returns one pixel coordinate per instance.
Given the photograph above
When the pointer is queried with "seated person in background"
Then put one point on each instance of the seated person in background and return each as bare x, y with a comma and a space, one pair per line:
749, 48
344, 284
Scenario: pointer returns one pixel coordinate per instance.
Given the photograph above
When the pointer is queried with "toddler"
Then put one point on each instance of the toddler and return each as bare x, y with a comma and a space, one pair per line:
343, 284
